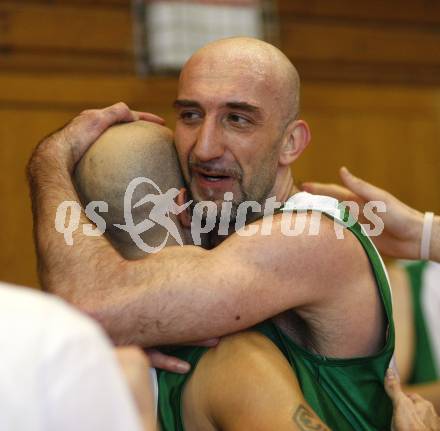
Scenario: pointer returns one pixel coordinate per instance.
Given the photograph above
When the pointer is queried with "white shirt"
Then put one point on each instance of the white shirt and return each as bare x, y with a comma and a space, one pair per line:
58, 371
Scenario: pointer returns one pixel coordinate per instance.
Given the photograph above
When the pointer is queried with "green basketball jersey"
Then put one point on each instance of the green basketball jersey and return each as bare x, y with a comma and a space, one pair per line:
425, 366
347, 394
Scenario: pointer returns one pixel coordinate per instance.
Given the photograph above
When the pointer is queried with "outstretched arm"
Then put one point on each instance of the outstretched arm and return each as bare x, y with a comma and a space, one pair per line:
182, 293
402, 235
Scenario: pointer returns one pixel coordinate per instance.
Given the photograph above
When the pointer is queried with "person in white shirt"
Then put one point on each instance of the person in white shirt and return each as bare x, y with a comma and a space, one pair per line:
58, 370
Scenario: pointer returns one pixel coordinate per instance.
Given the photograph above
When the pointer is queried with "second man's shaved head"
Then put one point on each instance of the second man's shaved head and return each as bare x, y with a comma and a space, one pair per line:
125, 152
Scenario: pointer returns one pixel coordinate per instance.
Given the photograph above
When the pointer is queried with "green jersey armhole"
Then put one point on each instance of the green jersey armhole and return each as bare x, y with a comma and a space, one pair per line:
382, 283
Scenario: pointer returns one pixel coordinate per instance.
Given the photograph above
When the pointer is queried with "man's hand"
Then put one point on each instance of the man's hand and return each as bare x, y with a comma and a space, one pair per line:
71, 142
135, 367
411, 411
166, 362
403, 225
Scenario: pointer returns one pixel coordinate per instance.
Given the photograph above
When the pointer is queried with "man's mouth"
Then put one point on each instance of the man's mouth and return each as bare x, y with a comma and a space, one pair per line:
213, 178
211, 174
210, 179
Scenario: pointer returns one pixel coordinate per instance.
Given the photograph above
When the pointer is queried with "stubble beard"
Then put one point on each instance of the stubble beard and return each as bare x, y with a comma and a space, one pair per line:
258, 190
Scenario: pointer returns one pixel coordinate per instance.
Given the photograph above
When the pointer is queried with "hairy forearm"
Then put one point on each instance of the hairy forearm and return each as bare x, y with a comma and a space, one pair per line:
45, 176
63, 269
186, 293
179, 296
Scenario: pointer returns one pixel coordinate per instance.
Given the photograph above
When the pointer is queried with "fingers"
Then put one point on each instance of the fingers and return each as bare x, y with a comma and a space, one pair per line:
426, 411
353, 183
416, 398
393, 387
167, 363
365, 190
333, 190
86, 128
355, 190
421, 402
117, 113
411, 411
147, 116
98, 120
95, 121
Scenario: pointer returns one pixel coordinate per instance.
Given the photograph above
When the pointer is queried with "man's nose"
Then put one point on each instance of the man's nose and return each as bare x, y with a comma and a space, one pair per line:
209, 141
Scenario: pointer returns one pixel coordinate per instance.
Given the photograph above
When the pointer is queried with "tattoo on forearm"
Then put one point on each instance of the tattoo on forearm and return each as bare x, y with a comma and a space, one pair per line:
307, 421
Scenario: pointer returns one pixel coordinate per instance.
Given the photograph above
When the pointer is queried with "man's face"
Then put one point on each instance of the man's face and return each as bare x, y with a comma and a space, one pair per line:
227, 131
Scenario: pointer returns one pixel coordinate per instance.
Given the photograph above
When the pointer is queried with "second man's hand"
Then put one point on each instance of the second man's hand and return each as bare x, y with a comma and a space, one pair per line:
170, 363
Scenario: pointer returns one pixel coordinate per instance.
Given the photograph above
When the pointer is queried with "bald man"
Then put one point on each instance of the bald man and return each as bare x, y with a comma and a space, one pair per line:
262, 386
237, 132
122, 154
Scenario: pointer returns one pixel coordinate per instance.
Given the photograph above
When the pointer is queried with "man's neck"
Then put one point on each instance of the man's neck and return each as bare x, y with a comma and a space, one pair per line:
284, 186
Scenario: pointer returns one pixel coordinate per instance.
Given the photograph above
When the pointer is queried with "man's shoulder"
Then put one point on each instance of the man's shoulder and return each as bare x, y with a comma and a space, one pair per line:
240, 363
323, 244
243, 383
298, 254
241, 345
309, 219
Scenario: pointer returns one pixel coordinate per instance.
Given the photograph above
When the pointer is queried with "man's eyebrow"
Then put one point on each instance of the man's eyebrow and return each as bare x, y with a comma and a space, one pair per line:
244, 106
186, 103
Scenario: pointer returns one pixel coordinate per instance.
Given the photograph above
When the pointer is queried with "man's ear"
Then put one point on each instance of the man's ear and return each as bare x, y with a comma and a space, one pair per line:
295, 141
183, 217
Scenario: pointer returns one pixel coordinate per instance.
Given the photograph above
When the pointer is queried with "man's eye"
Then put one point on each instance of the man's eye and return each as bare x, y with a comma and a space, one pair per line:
189, 115
238, 120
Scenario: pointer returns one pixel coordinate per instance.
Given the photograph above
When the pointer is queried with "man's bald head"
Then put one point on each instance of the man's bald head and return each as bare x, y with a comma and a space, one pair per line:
122, 153
263, 60
237, 127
